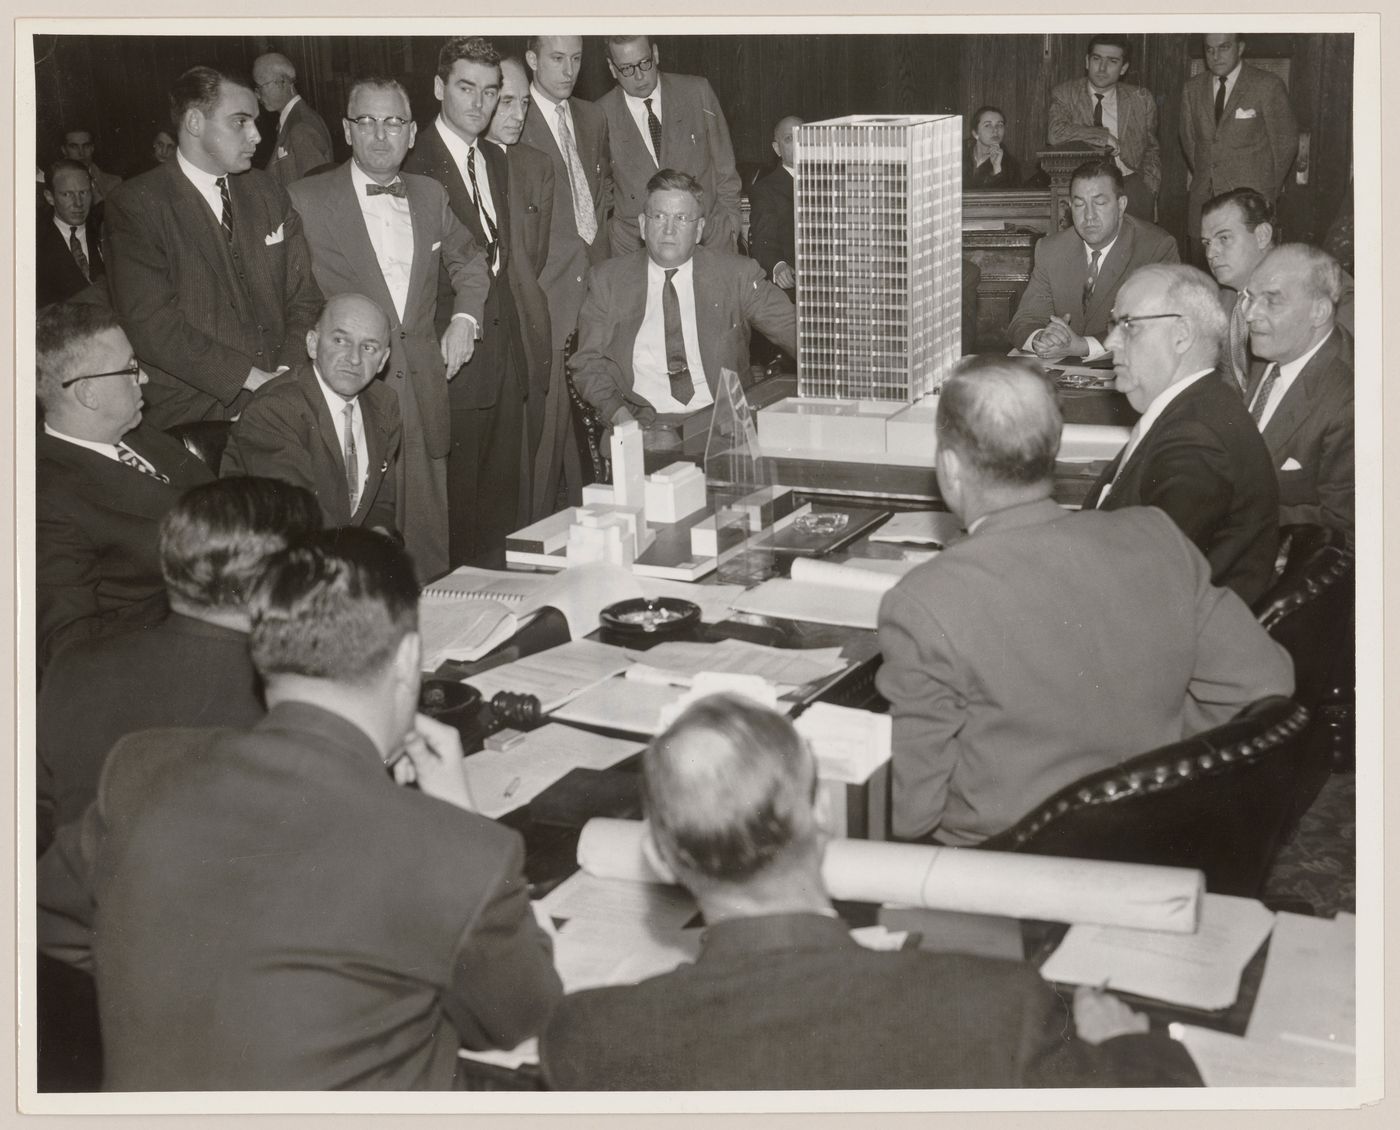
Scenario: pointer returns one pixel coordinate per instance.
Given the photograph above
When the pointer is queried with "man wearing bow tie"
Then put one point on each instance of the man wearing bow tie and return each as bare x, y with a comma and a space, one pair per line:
485, 476
377, 232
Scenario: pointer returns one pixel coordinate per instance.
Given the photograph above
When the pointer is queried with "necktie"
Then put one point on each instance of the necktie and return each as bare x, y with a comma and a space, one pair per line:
77, 249
654, 128
1093, 276
1220, 102
130, 459
1261, 398
352, 458
1239, 335
395, 189
226, 218
584, 220
677, 366
488, 225
1098, 110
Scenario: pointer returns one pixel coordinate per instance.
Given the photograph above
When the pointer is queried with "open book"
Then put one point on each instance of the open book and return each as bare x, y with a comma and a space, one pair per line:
471, 611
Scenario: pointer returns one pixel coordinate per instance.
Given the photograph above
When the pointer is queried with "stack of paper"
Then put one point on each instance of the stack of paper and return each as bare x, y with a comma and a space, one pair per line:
501, 780
645, 906
556, 675
678, 662
921, 527
849, 744
1242, 1061
823, 593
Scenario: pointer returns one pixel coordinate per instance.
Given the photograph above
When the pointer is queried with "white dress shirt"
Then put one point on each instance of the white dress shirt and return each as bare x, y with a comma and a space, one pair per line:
637, 108
651, 381
66, 230
461, 150
390, 226
335, 404
204, 184
1147, 419
551, 115
1287, 374
1095, 346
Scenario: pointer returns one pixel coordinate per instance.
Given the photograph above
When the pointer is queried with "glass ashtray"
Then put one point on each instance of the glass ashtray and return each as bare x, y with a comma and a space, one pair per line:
824, 523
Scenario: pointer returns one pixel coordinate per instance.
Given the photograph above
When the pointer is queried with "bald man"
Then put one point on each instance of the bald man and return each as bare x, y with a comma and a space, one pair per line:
303, 141
772, 236
328, 426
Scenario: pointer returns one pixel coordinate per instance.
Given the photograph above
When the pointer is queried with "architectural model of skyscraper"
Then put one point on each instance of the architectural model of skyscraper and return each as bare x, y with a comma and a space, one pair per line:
879, 234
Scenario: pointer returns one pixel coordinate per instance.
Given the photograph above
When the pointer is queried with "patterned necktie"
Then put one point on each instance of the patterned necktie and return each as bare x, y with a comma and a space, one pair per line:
1093, 277
130, 459
226, 218
488, 225
396, 189
77, 249
654, 128
584, 220
1098, 110
1220, 102
1261, 398
677, 365
1239, 335
352, 458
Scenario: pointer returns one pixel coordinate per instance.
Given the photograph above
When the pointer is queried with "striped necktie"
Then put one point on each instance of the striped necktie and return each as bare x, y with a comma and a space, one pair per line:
653, 128
352, 458
488, 225
76, 247
226, 218
1093, 277
584, 220
129, 458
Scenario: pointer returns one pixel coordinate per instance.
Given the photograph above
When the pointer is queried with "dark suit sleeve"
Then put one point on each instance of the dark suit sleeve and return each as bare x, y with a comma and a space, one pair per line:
726, 177
64, 885
465, 264
1037, 302
601, 248
1190, 479
302, 298
594, 372
67, 571
768, 308
768, 225
307, 148
503, 982
266, 441
1334, 476
382, 513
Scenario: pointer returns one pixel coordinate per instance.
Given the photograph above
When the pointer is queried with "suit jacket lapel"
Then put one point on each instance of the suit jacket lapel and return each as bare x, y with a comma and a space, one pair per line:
499, 176
635, 305
672, 125
376, 453
443, 168
353, 237
1110, 273
198, 223
707, 320
321, 417
419, 208
588, 144
1299, 402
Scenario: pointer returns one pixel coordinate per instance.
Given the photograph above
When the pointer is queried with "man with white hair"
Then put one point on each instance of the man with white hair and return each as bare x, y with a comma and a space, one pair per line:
303, 141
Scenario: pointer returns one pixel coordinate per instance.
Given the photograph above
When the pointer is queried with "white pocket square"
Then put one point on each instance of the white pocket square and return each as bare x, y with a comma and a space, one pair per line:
281, 153
1245, 112
275, 237
437, 245
1291, 464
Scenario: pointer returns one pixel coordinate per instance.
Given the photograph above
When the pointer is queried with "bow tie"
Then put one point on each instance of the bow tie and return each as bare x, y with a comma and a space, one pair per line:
395, 189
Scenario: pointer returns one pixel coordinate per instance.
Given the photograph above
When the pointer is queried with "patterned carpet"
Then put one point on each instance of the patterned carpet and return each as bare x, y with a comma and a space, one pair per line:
1319, 865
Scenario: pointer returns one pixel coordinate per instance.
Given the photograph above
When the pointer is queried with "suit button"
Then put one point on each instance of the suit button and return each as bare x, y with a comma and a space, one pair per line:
402, 337
398, 375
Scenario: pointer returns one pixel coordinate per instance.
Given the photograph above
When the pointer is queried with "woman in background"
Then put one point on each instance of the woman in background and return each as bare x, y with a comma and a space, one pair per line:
985, 163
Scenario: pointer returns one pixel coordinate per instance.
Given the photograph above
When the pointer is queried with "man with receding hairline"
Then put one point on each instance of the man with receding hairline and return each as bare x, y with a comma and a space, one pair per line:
781, 996
303, 141
772, 236
1046, 645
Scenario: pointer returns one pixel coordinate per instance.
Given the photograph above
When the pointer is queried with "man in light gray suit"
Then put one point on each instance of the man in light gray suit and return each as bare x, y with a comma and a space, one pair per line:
380, 233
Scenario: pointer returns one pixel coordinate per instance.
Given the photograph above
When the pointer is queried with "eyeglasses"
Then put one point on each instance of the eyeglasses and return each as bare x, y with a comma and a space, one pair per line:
629, 70
1128, 321
278, 81
365, 124
667, 219
133, 369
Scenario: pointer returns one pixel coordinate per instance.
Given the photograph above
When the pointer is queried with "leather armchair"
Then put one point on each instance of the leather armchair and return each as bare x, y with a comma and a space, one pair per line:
204, 439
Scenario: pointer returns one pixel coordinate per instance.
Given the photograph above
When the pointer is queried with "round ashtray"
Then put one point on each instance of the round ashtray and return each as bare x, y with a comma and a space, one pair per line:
440, 698
650, 616
825, 522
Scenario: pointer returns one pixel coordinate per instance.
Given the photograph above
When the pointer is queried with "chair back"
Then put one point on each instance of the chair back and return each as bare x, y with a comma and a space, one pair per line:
1220, 802
589, 427
204, 439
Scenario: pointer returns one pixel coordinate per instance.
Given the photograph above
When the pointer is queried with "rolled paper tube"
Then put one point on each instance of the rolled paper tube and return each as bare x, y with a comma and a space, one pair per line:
1083, 443
1135, 895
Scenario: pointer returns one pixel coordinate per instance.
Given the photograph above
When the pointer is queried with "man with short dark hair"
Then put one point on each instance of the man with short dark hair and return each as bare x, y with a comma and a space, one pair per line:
1114, 116
1064, 309
335, 930
192, 669
78, 146
209, 271
328, 426
1300, 392
1047, 645
781, 996
103, 480
659, 324
68, 248
1194, 452
303, 141
665, 121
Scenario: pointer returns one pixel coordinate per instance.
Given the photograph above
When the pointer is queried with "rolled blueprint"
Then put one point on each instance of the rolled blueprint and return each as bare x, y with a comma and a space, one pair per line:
1084, 443
1136, 895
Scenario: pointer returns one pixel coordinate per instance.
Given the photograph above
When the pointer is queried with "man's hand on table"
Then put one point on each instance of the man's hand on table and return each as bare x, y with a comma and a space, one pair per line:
1100, 1016
433, 754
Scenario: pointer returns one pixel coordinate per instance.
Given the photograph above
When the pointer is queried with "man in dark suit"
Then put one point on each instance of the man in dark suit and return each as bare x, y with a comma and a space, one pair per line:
68, 247
659, 324
1194, 453
772, 232
668, 121
1048, 645
1237, 129
1114, 116
346, 932
303, 141
209, 271
573, 134
1300, 392
381, 233
729, 792
487, 397
192, 669
329, 426
531, 189
1064, 309
102, 482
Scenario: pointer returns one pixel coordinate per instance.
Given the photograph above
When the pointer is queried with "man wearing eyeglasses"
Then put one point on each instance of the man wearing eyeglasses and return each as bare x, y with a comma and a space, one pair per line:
659, 324
385, 234
1195, 453
1064, 310
303, 141
102, 482
208, 268
665, 121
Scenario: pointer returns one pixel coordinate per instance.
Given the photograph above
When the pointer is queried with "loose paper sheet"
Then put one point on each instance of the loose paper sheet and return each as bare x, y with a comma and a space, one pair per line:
556, 675
503, 779
1238, 1061
646, 906
1308, 992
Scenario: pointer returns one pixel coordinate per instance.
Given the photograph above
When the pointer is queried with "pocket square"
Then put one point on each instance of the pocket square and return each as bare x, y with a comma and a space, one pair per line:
281, 153
1291, 464
436, 245
1245, 112
275, 237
